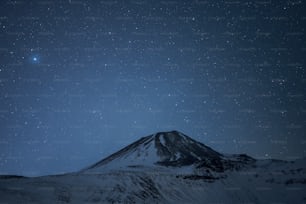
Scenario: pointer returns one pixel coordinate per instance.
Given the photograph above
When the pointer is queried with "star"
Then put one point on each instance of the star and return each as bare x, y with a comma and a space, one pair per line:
35, 59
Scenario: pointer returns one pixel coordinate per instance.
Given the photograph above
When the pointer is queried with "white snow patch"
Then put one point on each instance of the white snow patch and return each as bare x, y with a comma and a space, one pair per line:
193, 154
162, 140
178, 155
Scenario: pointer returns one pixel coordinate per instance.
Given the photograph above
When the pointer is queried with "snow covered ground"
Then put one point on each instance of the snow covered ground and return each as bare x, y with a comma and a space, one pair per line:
148, 171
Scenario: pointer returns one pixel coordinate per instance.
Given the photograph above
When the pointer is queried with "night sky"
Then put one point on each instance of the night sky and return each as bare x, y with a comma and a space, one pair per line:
81, 79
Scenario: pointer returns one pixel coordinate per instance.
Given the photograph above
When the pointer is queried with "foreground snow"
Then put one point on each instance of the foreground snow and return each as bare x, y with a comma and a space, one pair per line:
166, 177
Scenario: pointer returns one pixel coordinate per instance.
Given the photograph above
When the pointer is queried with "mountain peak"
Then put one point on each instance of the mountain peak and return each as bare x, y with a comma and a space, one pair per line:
171, 148
171, 135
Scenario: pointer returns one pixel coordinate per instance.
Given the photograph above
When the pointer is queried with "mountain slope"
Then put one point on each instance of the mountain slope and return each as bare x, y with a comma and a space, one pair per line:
167, 167
164, 149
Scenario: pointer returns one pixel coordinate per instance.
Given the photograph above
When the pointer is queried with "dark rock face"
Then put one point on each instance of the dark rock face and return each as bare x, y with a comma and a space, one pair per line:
235, 162
178, 149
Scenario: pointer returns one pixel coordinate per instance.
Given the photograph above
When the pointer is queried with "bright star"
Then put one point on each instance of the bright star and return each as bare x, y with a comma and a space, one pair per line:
35, 59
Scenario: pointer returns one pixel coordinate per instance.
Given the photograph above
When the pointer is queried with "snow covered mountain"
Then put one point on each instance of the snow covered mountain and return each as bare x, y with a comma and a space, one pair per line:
166, 167
165, 149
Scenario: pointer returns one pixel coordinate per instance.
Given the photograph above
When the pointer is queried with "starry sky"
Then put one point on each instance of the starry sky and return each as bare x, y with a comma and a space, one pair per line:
81, 79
